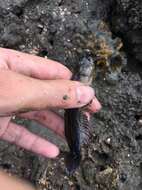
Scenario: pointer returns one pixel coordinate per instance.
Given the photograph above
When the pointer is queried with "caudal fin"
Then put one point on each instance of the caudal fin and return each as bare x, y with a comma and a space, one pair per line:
72, 162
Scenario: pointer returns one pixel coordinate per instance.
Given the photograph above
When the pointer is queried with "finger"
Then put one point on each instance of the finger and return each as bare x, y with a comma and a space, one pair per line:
63, 94
94, 106
21, 93
22, 137
48, 119
10, 182
3, 124
34, 66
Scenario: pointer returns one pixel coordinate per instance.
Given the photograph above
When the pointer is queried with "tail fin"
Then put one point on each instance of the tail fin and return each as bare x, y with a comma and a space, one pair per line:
72, 162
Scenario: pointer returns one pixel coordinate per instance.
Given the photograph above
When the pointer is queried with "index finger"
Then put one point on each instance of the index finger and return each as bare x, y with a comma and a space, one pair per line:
20, 136
34, 66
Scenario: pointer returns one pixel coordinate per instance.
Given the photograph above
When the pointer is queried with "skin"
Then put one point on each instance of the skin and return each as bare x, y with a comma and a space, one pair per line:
30, 87
12, 183
36, 85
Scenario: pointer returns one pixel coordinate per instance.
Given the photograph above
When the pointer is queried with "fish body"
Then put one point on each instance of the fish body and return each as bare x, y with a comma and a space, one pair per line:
72, 134
77, 125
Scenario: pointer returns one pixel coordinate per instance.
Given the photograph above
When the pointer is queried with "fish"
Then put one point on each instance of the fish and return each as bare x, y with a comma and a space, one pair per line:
77, 122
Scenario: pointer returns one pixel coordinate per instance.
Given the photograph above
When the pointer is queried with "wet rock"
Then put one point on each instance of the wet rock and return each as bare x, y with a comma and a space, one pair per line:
89, 172
47, 28
126, 21
107, 178
12, 35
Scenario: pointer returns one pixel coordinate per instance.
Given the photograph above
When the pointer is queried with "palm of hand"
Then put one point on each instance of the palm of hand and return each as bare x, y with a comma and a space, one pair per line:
35, 84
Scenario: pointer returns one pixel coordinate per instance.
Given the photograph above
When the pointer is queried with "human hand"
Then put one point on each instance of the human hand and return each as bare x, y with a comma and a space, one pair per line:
8, 182
35, 85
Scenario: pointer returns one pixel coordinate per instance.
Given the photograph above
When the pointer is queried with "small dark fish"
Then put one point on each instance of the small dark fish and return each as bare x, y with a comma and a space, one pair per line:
77, 133
77, 125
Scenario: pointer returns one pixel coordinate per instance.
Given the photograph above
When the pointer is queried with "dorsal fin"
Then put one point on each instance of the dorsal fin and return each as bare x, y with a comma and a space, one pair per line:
84, 128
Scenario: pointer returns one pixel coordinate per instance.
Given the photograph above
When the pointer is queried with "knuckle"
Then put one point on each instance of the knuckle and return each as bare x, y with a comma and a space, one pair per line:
3, 129
18, 136
32, 146
4, 126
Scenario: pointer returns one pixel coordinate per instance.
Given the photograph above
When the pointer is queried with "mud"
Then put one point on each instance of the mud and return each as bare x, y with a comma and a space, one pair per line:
113, 159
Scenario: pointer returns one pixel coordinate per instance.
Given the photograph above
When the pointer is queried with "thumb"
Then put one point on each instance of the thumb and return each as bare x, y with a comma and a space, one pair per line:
21, 93
62, 94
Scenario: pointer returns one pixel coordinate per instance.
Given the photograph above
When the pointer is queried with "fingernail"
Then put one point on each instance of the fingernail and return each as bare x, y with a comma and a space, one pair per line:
96, 104
84, 94
53, 152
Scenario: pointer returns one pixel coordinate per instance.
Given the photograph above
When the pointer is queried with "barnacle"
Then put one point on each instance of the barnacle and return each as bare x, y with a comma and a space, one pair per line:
104, 49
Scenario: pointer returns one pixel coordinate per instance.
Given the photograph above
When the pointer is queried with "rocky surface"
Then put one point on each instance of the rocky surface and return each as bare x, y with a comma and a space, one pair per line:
127, 22
113, 159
